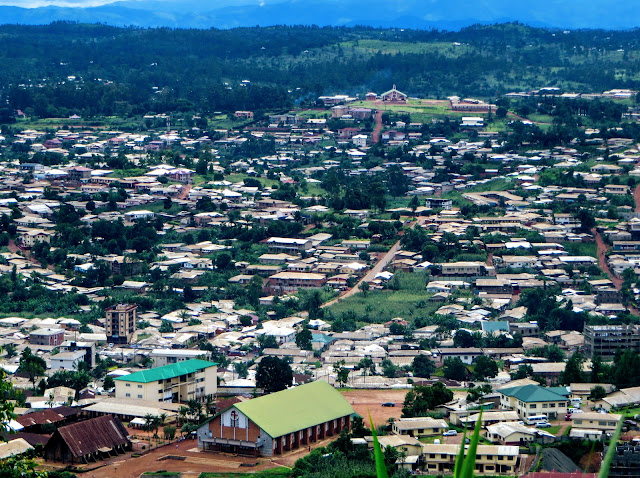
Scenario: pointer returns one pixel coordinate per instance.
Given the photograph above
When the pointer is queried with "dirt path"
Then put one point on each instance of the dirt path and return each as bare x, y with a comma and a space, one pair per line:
636, 197
375, 137
380, 265
184, 191
602, 259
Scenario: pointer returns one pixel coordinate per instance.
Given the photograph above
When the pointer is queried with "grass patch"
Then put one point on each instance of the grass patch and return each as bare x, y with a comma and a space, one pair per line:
553, 430
410, 300
274, 472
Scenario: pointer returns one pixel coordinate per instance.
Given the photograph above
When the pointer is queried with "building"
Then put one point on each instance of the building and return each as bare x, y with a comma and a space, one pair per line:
439, 203
46, 336
278, 422
193, 379
419, 427
30, 237
89, 349
288, 245
162, 357
596, 421
464, 269
490, 459
121, 323
67, 360
606, 339
511, 434
285, 282
393, 95
626, 461
532, 400
90, 440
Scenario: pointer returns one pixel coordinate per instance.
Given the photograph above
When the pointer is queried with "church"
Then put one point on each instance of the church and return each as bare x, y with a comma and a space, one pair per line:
394, 96
279, 422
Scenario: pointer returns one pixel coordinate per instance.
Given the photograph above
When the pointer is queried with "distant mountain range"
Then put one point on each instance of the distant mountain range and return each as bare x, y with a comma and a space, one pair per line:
424, 14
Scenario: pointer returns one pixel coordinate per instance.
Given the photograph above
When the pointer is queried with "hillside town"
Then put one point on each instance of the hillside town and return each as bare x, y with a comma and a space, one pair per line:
254, 291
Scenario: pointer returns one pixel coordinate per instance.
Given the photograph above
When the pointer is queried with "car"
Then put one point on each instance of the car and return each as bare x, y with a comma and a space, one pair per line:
388, 404
450, 433
543, 425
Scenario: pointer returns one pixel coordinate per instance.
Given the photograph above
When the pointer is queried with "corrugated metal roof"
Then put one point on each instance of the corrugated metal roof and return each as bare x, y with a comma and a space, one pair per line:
90, 436
50, 415
168, 371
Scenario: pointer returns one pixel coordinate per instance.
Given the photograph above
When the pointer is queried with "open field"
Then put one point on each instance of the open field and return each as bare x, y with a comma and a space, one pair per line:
369, 402
383, 305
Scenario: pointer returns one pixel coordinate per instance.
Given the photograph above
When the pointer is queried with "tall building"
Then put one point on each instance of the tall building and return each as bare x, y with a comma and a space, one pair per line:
121, 323
606, 339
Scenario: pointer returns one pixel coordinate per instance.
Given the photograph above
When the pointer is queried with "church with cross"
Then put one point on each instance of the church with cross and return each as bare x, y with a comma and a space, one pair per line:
393, 96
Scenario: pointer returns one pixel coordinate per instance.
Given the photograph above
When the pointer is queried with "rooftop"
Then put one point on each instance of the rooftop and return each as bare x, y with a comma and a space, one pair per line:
168, 371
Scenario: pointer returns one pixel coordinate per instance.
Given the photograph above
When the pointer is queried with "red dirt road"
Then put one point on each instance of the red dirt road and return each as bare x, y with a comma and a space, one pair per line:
375, 137
636, 197
602, 260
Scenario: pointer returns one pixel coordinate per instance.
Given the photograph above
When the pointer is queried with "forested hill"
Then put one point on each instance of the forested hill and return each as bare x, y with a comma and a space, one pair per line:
132, 71
443, 14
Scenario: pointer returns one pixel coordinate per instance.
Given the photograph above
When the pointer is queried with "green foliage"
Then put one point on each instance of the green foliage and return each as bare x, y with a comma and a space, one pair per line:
381, 468
485, 368
273, 374
423, 366
608, 458
31, 365
420, 400
573, 372
454, 369
303, 339
597, 393
165, 327
465, 467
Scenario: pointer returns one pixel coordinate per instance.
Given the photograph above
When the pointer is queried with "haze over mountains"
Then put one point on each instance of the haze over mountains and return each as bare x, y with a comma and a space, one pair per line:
441, 14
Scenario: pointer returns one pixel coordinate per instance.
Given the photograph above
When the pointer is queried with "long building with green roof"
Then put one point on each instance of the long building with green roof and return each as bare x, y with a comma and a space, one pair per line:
279, 422
179, 382
534, 400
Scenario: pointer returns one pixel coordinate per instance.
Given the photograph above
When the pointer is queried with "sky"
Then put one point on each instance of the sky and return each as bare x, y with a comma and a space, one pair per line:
57, 3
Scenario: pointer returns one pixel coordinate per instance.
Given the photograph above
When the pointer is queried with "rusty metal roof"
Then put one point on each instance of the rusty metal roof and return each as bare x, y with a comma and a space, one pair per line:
89, 436
49, 415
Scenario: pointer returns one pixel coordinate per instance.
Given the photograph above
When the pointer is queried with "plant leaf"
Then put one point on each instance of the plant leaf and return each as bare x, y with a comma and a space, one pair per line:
457, 469
381, 468
606, 463
468, 467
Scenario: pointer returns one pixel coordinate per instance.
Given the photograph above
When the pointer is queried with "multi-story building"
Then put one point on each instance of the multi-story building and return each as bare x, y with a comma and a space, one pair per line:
176, 383
288, 245
53, 337
606, 339
534, 400
121, 323
284, 282
490, 459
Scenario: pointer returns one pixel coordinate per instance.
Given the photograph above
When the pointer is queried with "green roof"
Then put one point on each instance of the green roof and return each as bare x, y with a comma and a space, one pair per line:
168, 371
536, 393
296, 408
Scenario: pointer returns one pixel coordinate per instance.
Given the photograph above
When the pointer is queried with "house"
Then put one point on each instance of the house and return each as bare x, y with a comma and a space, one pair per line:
467, 355
596, 421
278, 422
489, 417
439, 203
288, 245
67, 360
142, 214
31, 236
419, 427
284, 282
162, 357
394, 96
179, 382
89, 440
511, 434
464, 269
531, 400
490, 459
622, 398
46, 336
405, 444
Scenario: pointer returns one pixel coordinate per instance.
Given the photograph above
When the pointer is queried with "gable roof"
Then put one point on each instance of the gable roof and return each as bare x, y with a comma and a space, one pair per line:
48, 415
168, 371
296, 408
92, 435
536, 393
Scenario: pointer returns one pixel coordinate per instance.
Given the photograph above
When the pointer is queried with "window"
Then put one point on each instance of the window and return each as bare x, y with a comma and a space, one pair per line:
128, 385
552, 405
127, 395
139, 386
533, 405
139, 396
544, 405
578, 422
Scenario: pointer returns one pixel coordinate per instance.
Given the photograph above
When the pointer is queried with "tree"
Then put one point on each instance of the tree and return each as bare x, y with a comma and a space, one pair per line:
364, 287
476, 393
32, 366
303, 339
485, 367
165, 327
573, 371
342, 373
367, 365
414, 203
10, 350
454, 369
241, 368
420, 400
169, 432
597, 393
273, 374
423, 366
267, 342
108, 383
389, 370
